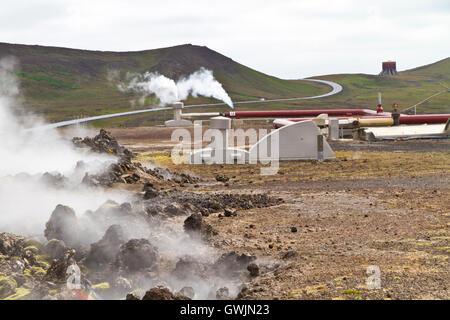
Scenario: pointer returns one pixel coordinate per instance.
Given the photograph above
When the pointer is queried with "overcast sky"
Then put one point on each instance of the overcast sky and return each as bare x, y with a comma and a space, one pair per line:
288, 39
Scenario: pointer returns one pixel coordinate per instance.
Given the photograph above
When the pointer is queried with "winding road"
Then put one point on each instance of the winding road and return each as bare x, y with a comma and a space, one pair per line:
335, 89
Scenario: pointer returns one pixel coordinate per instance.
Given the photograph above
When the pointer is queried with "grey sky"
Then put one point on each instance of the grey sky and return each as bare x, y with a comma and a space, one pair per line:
285, 38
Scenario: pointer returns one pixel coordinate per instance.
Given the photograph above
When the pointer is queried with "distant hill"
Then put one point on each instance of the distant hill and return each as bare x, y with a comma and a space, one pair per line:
61, 83
407, 88
439, 70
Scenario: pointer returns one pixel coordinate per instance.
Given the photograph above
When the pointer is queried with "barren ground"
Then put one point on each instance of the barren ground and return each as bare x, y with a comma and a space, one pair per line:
384, 204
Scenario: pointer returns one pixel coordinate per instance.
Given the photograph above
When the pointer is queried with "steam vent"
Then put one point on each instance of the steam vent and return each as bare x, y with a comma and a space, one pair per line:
389, 68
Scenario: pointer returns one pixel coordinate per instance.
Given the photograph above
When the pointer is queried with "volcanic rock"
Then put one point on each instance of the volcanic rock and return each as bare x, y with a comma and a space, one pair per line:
150, 194
11, 245
58, 269
187, 267
132, 296
63, 225
136, 254
105, 250
55, 248
289, 254
232, 262
148, 186
158, 293
174, 209
229, 213
243, 293
124, 171
222, 293
253, 268
104, 142
222, 178
193, 224
162, 293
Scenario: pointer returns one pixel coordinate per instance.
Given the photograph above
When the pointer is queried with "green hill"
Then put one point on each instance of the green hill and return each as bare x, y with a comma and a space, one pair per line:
61, 83
437, 71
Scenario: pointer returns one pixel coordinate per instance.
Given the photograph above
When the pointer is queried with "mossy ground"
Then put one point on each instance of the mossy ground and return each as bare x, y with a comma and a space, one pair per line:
20, 294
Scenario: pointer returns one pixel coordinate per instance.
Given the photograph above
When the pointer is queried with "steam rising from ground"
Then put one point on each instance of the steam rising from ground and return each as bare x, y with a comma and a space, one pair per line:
25, 200
199, 83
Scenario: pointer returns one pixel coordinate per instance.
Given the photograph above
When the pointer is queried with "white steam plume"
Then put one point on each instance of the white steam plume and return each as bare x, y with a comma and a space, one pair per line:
202, 83
199, 83
25, 201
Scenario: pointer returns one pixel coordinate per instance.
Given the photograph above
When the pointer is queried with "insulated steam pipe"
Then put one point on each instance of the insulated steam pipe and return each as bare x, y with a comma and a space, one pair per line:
300, 113
378, 120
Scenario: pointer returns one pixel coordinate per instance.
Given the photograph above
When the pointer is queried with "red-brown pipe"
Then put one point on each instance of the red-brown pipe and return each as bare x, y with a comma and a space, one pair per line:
424, 118
300, 113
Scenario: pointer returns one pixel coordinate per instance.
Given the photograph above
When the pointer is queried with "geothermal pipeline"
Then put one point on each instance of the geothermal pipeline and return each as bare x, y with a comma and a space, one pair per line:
381, 120
301, 113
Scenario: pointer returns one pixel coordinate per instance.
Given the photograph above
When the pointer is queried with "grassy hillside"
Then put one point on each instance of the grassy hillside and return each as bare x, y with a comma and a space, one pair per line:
61, 83
407, 88
438, 71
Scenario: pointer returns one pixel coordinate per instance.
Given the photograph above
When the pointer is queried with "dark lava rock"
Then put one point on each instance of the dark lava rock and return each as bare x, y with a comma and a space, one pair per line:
150, 194
222, 178
58, 269
150, 191
244, 293
195, 227
193, 224
105, 250
187, 267
253, 269
132, 296
136, 254
293, 229
289, 254
63, 225
174, 209
55, 248
222, 293
104, 142
229, 213
162, 293
148, 186
214, 205
125, 170
232, 262
11, 245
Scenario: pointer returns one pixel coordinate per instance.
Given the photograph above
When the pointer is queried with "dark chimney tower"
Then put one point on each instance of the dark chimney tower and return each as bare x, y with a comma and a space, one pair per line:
389, 68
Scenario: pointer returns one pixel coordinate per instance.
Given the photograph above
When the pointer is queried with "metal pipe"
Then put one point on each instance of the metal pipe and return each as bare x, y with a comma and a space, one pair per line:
373, 121
300, 113
200, 115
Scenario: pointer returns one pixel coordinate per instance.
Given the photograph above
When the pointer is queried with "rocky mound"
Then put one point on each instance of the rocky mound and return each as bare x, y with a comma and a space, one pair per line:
125, 170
